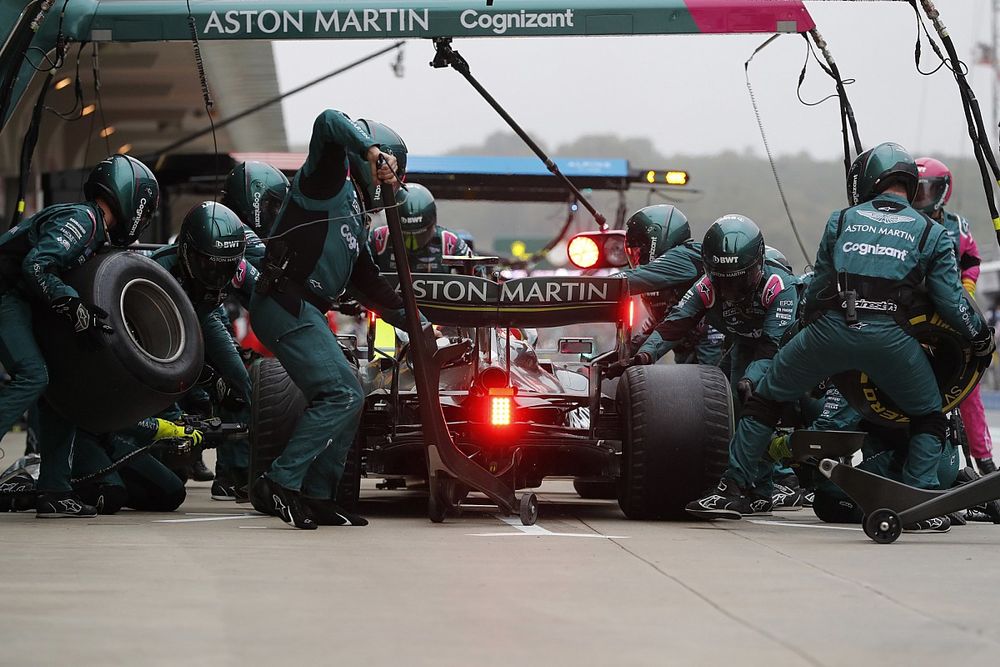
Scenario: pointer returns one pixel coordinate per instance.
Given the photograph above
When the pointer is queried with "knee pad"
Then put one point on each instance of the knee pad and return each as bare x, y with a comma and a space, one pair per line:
935, 424
764, 410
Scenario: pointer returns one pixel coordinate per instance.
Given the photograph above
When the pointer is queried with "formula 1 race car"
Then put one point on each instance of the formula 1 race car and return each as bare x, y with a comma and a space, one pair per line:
654, 440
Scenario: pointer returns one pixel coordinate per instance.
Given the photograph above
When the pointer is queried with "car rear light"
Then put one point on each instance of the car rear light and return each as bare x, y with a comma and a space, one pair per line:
501, 401
631, 313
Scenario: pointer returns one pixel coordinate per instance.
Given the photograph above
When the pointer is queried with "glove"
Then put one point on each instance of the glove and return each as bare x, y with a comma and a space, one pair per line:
169, 429
985, 344
619, 367
350, 308
779, 449
744, 389
86, 319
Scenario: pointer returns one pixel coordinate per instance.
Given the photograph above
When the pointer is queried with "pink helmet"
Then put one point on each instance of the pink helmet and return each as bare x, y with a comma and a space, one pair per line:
934, 188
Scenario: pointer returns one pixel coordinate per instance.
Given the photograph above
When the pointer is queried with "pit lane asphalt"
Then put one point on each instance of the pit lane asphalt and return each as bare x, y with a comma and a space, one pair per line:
215, 584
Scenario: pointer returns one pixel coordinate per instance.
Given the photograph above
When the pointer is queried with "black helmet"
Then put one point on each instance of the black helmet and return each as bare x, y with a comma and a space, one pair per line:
878, 168
775, 256
653, 230
130, 190
254, 191
417, 215
733, 252
211, 244
387, 141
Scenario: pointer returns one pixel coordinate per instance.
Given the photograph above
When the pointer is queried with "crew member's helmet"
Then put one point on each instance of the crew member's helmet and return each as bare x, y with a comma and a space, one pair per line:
775, 256
879, 168
131, 192
653, 230
254, 191
417, 215
934, 187
388, 141
211, 244
733, 252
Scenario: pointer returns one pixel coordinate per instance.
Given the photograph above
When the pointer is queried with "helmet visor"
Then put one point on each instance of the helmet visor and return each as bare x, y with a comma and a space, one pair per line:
418, 239
738, 285
930, 194
211, 272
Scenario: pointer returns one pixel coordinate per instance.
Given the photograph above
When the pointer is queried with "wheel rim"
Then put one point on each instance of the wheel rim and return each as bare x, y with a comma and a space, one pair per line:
152, 320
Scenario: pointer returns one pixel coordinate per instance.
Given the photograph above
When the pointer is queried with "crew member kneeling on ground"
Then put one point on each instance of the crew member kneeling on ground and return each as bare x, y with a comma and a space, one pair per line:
122, 196
872, 259
316, 249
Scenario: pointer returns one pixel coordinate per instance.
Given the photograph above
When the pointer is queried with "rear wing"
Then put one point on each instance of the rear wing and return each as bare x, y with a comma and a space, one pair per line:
551, 301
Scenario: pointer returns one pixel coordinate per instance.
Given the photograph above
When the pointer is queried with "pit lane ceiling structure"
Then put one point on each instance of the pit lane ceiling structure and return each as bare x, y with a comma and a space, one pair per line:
151, 97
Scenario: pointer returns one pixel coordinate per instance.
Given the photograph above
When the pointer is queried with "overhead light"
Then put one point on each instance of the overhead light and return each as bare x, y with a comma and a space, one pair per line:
107, 132
87, 110
125, 148
62, 83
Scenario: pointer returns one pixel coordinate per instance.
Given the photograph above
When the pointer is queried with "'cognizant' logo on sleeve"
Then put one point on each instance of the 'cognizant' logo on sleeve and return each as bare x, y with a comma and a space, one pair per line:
500, 23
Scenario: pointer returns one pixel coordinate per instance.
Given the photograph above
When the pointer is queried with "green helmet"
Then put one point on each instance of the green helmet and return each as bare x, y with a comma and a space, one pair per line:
653, 230
387, 141
878, 168
733, 252
130, 190
254, 191
417, 214
775, 256
211, 244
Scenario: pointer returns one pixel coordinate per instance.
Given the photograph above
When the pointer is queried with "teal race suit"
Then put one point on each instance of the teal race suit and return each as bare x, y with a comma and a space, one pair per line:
876, 254
428, 259
662, 282
754, 326
33, 256
319, 248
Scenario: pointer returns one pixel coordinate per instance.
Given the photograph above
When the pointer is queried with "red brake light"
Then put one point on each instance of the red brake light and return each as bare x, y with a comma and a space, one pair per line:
501, 405
372, 316
583, 251
631, 313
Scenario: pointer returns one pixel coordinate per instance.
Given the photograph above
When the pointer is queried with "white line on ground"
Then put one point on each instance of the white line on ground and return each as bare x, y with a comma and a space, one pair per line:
800, 525
225, 517
539, 531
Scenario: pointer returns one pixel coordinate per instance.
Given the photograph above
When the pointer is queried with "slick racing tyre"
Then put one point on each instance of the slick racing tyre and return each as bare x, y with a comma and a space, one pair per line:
153, 357
677, 425
276, 407
956, 370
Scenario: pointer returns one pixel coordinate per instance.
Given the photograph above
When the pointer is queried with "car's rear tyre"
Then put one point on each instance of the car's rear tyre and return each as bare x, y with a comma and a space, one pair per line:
153, 357
595, 489
677, 422
276, 407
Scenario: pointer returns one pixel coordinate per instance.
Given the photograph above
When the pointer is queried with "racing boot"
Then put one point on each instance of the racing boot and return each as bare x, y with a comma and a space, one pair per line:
198, 471
15, 491
787, 496
288, 505
260, 498
64, 504
727, 501
986, 466
939, 524
223, 489
988, 512
329, 513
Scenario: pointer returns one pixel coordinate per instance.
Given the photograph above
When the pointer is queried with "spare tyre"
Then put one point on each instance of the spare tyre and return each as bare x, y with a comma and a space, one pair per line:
153, 357
677, 422
956, 370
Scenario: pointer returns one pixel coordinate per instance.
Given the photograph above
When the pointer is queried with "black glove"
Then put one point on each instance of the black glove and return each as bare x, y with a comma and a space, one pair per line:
617, 368
350, 308
985, 344
744, 389
85, 318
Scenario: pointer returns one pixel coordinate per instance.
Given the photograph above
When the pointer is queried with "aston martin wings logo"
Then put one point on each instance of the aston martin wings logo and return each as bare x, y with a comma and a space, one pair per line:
886, 218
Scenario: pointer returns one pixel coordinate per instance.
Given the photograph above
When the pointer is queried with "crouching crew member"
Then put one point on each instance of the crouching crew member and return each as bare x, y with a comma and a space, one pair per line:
871, 260
122, 196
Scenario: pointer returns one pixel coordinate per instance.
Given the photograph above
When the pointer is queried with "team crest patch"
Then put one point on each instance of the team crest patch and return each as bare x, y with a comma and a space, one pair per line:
706, 291
774, 286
